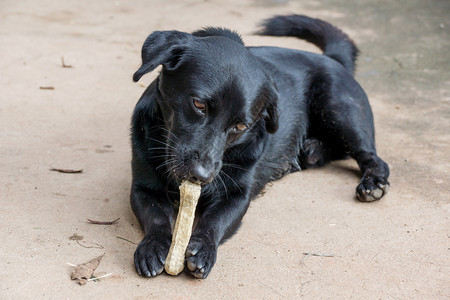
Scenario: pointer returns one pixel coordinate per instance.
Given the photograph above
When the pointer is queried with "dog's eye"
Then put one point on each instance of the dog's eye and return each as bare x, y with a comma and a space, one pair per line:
241, 127
199, 104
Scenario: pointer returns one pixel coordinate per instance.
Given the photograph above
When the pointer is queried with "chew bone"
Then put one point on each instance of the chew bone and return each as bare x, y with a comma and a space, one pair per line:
189, 194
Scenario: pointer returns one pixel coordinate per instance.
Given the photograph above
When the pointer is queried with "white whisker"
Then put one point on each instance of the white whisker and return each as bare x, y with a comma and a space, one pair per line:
232, 180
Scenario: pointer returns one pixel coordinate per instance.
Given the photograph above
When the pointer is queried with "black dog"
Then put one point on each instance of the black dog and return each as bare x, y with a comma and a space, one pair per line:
234, 118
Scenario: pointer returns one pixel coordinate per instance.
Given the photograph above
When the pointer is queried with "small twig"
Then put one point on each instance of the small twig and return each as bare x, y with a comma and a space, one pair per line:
119, 237
95, 277
103, 222
65, 170
72, 265
96, 247
63, 64
308, 254
317, 254
47, 87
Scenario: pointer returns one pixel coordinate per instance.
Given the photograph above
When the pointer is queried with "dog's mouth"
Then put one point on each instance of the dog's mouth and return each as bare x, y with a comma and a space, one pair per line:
191, 165
186, 169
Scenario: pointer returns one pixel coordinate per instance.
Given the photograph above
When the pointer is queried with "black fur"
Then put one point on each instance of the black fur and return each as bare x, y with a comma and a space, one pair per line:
331, 40
297, 110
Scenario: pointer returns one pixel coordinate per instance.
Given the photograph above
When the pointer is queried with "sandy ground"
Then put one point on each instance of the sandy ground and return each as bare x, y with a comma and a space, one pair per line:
397, 248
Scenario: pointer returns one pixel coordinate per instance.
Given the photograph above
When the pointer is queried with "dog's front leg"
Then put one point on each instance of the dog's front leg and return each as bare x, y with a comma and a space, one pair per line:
217, 221
155, 214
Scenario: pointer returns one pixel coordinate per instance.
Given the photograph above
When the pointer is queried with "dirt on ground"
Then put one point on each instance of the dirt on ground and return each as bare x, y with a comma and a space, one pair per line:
76, 115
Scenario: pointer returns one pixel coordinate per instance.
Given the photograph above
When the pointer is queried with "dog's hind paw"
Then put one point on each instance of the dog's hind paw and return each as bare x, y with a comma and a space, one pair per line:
371, 194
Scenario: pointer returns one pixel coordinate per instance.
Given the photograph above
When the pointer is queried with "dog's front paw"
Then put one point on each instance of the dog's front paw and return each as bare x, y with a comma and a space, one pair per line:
151, 254
200, 256
372, 189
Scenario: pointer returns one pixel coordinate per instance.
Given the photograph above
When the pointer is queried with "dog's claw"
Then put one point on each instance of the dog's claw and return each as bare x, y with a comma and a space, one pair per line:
384, 187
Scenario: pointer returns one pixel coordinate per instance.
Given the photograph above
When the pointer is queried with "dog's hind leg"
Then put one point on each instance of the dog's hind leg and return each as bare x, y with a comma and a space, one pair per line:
343, 120
374, 184
313, 154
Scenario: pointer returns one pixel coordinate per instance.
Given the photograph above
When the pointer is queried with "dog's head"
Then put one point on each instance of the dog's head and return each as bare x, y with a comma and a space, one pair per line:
211, 92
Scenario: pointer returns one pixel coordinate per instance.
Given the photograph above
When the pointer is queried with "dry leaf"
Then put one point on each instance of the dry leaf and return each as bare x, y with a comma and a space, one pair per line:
103, 222
66, 170
85, 271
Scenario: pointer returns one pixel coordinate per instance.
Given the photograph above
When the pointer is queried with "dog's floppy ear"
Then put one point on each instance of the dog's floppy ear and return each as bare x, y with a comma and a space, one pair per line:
162, 47
271, 112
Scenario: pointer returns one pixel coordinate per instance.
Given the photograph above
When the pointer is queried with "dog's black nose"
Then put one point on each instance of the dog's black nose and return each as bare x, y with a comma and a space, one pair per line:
201, 175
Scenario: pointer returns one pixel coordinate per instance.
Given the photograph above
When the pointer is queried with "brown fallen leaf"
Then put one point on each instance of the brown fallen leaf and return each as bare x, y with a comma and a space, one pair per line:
103, 222
66, 170
83, 272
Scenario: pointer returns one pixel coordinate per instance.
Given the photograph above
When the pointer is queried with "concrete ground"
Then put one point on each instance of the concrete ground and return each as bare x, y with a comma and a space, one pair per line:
397, 248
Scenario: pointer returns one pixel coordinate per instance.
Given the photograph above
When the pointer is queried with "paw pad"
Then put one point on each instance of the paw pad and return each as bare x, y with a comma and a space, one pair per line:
370, 195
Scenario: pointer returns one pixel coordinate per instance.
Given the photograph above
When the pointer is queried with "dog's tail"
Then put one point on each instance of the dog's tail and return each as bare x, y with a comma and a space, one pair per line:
331, 40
